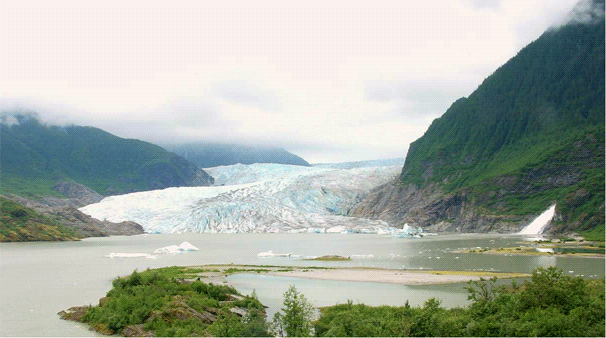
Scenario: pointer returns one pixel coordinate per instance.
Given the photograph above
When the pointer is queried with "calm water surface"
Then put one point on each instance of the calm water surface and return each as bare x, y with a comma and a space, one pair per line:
37, 280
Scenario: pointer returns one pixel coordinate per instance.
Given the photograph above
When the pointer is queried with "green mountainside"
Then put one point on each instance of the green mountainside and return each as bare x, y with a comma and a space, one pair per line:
207, 155
21, 224
35, 156
531, 135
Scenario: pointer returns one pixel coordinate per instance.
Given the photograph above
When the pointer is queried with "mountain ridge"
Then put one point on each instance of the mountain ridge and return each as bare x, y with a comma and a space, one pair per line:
530, 135
208, 154
36, 156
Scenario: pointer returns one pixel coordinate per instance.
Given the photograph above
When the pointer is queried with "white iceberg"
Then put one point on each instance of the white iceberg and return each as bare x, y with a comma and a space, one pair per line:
174, 249
187, 246
130, 255
269, 253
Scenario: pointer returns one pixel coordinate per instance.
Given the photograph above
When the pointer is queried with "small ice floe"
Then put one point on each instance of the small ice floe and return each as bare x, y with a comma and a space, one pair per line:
544, 249
336, 230
174, 249
130, 255
270, 253
362, 256
283, 254
383, 232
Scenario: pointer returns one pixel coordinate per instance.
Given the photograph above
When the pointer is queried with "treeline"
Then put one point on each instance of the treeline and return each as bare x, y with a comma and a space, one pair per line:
531, 135
171, 302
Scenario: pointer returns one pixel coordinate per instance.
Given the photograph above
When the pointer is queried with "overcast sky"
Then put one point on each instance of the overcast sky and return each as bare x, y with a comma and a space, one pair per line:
329, 81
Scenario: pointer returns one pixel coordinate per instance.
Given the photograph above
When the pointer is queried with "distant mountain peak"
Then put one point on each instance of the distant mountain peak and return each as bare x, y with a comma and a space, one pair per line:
209, 154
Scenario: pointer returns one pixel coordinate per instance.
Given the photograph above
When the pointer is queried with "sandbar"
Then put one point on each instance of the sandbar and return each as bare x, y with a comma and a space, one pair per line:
404, 277
361, 274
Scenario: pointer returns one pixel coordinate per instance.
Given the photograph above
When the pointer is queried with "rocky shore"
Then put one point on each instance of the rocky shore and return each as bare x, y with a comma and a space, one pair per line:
65, 212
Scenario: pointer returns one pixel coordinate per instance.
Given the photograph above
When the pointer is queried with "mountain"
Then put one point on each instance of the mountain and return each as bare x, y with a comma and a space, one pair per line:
207, 155
53, 219
35, 157
22, 224
262, 197
531, 135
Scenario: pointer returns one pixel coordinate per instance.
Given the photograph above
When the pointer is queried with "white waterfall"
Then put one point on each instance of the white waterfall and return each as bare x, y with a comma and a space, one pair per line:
539, 223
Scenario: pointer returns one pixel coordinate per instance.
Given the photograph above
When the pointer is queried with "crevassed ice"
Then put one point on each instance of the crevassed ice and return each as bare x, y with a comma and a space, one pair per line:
253, 198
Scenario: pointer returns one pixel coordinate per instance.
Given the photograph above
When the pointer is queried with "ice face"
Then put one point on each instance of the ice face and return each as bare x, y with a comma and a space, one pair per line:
254, 198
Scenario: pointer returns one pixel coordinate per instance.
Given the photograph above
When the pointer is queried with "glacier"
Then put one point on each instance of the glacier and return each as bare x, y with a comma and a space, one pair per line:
255, 198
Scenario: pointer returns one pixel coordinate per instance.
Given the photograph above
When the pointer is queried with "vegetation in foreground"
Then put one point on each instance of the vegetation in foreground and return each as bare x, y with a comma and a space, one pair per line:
550, 304
21, 224
530, 136
163, 302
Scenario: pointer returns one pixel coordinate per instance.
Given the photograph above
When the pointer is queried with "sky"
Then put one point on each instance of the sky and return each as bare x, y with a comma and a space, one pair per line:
330, 81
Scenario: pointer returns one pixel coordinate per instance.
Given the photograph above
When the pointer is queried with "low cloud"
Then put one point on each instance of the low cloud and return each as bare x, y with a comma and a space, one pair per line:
246, 94
586, 11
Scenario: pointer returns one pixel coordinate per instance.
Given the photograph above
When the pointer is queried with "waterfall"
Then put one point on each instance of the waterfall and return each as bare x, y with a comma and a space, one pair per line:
539, 223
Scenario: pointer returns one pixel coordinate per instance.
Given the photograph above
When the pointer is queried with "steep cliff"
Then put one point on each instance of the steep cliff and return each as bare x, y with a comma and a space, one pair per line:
531, 135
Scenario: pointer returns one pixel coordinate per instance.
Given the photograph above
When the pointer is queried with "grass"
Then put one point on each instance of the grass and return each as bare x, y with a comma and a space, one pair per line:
21, 224
161, 302
329, 258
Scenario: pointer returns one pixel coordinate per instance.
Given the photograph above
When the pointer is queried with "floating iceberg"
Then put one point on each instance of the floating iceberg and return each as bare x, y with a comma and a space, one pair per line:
270, 253
130, 255
174, 249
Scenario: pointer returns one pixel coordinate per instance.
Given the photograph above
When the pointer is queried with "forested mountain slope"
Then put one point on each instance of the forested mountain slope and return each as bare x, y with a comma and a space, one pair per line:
36, 156
207, 155
531, 135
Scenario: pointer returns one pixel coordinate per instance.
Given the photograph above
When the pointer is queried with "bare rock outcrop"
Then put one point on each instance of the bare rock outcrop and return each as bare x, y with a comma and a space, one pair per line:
67, 214
432, 209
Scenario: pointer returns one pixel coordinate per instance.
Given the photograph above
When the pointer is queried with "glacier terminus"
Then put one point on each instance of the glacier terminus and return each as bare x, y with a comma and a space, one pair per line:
255, 198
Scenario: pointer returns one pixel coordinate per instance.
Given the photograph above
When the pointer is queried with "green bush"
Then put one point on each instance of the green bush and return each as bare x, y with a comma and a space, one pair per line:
549, 304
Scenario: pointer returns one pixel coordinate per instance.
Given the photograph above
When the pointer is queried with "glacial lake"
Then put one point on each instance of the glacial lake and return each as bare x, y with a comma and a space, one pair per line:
37, 280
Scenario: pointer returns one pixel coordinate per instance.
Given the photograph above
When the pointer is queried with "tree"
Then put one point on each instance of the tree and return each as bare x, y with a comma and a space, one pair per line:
295, 317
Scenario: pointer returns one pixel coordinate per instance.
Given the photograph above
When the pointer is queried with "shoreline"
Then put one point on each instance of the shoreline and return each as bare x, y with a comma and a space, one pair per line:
356, 274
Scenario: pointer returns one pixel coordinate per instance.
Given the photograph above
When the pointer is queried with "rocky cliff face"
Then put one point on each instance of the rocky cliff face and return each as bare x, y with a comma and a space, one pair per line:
65, 212
530, 136
77, 194
432, 209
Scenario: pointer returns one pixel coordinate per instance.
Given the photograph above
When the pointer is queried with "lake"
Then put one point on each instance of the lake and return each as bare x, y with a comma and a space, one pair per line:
40, 279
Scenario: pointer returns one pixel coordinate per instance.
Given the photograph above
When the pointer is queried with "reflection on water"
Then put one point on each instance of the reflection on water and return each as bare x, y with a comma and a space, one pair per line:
325, 293
40, 279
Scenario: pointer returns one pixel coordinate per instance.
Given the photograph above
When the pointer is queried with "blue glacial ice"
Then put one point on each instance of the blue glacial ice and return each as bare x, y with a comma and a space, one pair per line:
255, 198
